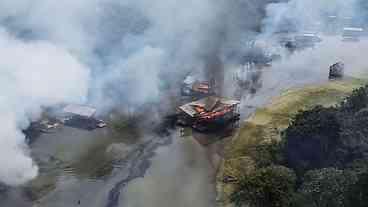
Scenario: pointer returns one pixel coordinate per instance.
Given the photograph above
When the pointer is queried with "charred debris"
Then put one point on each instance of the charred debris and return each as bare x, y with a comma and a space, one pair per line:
297, 42
81, 117
336, 71
197, 88
199, 107
259, 57
209, 113
72, 115
248, 78
202, 109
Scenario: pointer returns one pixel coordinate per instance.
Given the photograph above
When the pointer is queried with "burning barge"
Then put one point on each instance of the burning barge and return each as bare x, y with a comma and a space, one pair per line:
209, 113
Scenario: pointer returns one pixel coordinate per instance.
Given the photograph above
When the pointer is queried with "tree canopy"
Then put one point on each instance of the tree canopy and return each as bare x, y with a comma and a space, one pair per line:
326, 147
266, 187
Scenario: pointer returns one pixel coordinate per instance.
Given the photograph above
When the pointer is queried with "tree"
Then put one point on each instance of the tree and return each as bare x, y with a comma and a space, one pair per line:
357, 195
327, 187
356, 101
311, 138
271, 186
267, 154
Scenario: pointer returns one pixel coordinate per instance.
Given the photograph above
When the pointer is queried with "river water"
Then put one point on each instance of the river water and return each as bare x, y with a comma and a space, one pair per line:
102, 168
74, 171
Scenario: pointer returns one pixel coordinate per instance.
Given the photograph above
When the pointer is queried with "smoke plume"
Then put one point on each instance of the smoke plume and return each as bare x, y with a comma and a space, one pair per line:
33, 75
104, 53
110, 53
325, 18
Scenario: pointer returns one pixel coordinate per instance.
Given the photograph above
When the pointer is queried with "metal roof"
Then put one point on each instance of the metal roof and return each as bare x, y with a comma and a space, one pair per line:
210, 103
230, 102
188, 109
309, 35
355, 29
80, 110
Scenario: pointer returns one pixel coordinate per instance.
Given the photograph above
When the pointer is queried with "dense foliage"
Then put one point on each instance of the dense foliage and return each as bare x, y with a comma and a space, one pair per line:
357, 101
326, 187
271, 186
267, 154
357, 195
312, 139
327, 148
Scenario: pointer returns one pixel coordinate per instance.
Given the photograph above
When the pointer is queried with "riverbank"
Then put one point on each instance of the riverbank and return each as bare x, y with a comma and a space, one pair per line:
267, 123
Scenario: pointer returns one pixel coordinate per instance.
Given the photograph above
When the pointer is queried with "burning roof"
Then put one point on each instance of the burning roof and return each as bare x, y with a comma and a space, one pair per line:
207, 105
193, 86
202, 87
210, 113
84, 111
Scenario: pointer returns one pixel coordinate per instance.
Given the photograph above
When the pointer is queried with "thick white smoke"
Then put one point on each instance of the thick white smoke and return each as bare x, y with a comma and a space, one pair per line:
170, 37
33, 74
102, 52
108, 52
299, 16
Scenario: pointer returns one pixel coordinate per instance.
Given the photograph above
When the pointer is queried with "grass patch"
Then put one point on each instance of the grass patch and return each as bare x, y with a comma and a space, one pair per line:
267, 123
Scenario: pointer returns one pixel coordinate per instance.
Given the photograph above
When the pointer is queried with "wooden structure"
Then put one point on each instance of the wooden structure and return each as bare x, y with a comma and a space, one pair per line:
209, 113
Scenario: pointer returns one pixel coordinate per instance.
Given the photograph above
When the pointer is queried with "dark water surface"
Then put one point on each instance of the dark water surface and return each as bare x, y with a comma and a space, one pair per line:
102, 168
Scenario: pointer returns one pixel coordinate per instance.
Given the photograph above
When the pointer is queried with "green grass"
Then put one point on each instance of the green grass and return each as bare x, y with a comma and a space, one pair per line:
267, 123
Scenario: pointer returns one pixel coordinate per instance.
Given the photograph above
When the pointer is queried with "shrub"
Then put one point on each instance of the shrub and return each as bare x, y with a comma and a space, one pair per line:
271, 186
311, 139
327, 187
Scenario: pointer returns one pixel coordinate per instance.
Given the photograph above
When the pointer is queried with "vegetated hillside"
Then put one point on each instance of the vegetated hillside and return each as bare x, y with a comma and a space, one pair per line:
309, 147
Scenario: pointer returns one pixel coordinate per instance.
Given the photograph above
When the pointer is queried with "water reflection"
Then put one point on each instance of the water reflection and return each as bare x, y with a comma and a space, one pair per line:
181, 175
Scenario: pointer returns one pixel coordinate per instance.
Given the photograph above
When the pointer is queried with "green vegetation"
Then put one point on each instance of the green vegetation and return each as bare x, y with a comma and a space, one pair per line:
357, 101
312, 139
329, 137
326, 187
319, 147
271, 186
267, 154
357, 194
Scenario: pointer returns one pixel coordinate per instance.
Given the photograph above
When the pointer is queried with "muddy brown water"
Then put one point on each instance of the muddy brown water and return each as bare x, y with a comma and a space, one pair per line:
73, 166
181, 175
78, 168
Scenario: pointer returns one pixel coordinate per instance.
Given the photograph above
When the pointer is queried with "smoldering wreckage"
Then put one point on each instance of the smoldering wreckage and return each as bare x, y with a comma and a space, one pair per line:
204, 112
72, 115
202, 108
